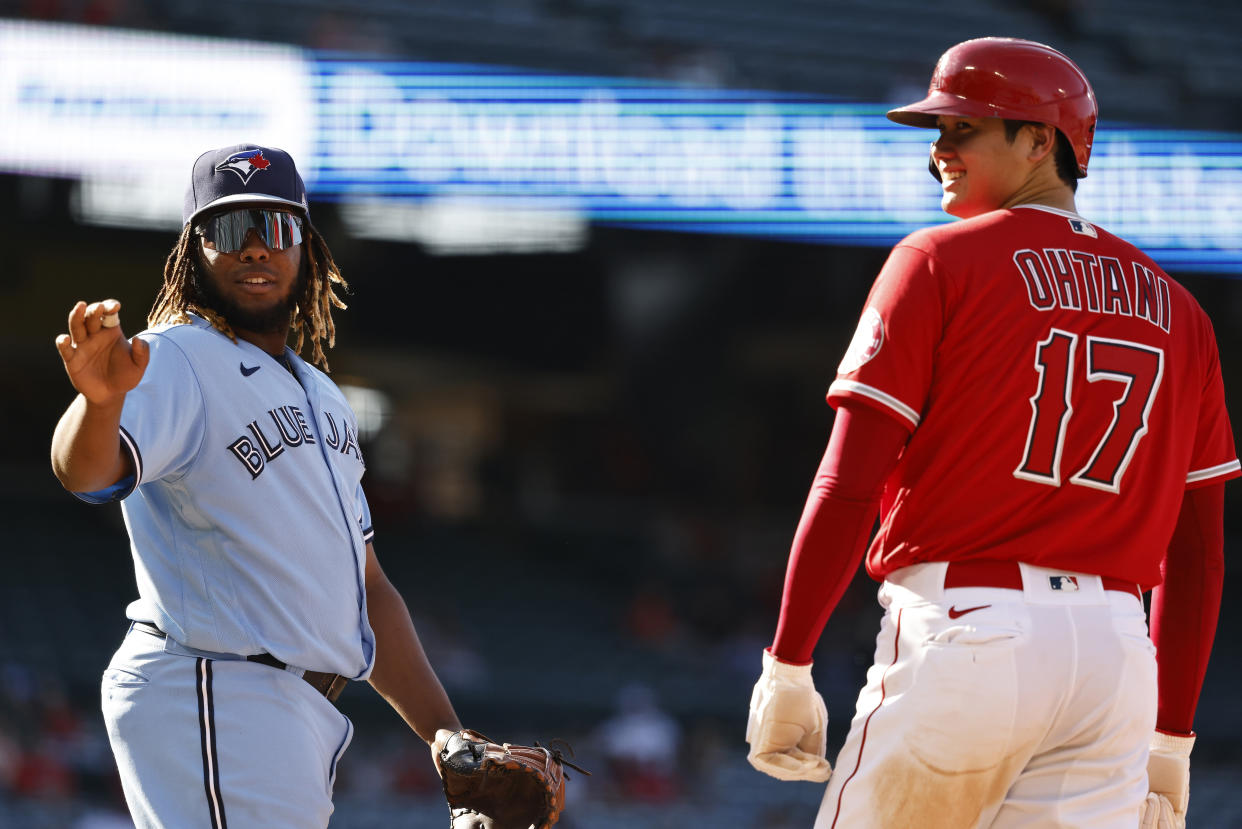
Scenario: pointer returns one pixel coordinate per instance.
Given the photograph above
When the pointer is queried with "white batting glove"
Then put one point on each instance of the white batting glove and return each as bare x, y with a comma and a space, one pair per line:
788, 724
1168, 781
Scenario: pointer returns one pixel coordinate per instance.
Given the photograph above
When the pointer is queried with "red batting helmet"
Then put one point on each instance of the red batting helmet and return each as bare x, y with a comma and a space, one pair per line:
1002, 77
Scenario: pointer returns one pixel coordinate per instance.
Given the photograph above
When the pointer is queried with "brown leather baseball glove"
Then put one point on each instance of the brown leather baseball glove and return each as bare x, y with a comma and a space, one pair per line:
492, 785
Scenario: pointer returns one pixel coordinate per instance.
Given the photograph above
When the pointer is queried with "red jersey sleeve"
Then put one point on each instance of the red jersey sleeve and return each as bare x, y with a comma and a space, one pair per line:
888, 365
836, 522
1185, 607
1214, 458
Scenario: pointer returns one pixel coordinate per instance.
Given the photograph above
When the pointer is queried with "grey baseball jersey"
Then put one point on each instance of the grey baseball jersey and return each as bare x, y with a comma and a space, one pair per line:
246, 514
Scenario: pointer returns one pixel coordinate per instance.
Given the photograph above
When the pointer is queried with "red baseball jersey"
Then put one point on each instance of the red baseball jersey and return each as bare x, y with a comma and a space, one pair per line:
1062, 390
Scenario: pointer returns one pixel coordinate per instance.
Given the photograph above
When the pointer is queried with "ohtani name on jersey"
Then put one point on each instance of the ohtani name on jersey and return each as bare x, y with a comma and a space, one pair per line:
289, 430
1076, 280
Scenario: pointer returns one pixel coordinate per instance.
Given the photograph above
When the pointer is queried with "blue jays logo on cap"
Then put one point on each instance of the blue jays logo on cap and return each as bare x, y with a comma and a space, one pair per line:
245, 164
213, 186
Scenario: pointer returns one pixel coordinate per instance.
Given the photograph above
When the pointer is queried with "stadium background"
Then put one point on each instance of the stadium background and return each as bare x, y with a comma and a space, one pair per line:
609, 437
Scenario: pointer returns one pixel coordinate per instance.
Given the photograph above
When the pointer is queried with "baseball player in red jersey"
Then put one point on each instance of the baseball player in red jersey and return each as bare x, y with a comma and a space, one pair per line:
1036, 411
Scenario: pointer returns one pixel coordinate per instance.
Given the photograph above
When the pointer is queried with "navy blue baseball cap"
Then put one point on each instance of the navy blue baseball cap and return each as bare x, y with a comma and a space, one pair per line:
244, 174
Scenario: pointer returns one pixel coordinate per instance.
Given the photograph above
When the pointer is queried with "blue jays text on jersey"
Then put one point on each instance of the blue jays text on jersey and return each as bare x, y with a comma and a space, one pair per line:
289, 429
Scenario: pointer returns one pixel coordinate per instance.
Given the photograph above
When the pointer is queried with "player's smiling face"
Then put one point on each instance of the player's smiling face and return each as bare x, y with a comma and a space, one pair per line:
255, 287
980, 169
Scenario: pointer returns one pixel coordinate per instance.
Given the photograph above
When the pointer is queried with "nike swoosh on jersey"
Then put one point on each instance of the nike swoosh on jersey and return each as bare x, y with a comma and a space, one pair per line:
955, 613
246, 372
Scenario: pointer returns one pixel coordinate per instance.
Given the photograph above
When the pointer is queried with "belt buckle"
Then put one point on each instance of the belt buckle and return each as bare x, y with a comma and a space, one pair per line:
335, 686
328, 685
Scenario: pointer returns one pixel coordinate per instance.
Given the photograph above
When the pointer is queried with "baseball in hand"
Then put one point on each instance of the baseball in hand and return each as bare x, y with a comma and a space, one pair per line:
110, 320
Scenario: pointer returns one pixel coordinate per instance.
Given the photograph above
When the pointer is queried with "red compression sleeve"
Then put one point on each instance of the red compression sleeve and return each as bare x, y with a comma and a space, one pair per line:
1185, 607
836, 522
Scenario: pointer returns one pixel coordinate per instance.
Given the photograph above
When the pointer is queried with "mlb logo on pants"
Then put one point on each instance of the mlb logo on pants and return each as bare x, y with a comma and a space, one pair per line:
1067, 583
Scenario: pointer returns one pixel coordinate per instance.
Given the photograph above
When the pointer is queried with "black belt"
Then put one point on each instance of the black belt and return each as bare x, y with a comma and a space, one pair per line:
330, 685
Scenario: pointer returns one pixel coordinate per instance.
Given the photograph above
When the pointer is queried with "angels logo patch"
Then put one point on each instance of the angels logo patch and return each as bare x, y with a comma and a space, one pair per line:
867, 342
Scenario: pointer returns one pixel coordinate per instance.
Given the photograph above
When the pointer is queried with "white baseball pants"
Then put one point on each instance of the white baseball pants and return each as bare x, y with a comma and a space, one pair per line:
1002, 708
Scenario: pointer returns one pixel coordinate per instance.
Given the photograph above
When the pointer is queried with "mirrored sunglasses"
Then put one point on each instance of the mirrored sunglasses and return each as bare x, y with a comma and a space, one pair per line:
227, 231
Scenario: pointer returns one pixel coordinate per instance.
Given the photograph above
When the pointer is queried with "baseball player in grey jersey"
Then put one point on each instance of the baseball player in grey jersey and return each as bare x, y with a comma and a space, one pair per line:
238, 468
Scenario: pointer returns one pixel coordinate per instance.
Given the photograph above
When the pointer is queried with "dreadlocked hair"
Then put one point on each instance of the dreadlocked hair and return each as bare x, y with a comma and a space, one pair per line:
312, 315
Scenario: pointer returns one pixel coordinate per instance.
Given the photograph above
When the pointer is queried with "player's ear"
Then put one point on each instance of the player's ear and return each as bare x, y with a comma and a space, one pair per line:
1043, 139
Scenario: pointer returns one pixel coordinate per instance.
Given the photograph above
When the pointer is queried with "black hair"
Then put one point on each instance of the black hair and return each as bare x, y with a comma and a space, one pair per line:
1067, 163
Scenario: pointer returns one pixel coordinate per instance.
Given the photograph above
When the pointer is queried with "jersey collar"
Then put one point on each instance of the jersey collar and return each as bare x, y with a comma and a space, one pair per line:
1054, 210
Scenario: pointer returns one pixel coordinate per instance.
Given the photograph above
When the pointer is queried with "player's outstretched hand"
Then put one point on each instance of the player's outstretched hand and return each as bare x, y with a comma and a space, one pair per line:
100, 362
788, 725
1168, 781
